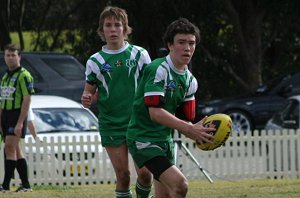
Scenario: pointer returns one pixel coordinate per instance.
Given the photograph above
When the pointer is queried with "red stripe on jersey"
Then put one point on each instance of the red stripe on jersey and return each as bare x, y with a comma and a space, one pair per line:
152, 100
189, 109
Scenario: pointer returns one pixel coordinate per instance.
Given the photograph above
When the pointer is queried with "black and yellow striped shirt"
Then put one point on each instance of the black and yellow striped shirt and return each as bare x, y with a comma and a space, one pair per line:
14, 86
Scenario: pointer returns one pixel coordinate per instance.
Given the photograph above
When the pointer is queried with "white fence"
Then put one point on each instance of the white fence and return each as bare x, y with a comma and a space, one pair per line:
273, 154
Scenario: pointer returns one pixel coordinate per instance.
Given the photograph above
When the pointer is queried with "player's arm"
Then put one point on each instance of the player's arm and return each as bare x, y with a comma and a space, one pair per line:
23, 114
193, 131
87, 95
160, 115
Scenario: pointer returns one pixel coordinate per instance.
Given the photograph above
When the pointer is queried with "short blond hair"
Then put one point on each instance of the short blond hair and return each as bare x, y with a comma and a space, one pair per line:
119, 14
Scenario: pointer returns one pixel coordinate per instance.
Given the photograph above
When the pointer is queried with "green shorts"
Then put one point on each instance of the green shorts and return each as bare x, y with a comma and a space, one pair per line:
141, 152
113, 141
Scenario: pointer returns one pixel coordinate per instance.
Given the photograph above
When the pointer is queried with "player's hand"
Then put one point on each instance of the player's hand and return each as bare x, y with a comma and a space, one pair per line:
86, 100
18, 130
201, 133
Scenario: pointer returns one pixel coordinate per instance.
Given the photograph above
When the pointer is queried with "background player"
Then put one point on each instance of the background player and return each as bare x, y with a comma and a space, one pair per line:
16, 90
114, 72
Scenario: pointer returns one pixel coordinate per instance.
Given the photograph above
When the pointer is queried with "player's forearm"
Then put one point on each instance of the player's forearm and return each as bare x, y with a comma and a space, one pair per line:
24, 109
165, 118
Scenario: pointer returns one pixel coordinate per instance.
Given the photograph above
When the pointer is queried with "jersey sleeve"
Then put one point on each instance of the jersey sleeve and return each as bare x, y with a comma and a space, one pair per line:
26, 84
90, 73
155, 81
193, 86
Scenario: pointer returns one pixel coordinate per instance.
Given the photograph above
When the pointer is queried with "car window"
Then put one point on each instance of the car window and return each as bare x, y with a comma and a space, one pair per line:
289, 114
67, 68
63, 119
36, 76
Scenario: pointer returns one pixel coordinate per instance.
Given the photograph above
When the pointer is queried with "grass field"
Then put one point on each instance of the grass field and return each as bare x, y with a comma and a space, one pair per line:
219, 189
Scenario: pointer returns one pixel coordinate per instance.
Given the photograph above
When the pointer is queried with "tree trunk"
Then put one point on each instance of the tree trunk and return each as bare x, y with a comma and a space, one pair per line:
20, 24
4, 24
246, 18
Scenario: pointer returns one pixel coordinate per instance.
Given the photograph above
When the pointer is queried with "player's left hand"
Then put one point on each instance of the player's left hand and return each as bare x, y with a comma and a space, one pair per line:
18, 130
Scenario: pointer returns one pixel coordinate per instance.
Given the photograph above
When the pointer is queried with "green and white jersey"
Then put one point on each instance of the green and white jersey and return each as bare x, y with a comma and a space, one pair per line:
116, 74
159, 78
14, 86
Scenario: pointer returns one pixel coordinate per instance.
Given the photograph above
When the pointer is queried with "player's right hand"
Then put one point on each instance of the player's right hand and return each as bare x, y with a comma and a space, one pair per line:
86, 100
201, 132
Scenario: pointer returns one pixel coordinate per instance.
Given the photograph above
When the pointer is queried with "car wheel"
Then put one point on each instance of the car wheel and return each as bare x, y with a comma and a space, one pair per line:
241, 121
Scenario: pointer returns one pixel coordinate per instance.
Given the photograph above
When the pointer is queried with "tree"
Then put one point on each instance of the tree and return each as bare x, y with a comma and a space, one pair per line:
4, 24
243, 43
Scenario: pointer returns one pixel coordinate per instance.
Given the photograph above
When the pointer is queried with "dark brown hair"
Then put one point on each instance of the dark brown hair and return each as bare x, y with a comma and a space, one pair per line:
180, 26
13, 47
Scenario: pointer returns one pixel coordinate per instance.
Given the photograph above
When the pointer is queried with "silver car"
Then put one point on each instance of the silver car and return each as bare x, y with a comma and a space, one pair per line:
63, 126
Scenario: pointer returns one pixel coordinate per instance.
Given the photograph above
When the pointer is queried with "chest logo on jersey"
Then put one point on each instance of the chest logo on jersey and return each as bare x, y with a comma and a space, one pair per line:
130, 63
171, 85
118, 63
105, 68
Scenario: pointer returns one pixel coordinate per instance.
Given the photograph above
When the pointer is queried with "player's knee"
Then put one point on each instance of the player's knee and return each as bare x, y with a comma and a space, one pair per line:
9, 149
181, 187
145, 177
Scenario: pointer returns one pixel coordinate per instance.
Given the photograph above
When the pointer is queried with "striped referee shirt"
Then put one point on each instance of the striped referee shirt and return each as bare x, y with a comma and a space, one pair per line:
14, 86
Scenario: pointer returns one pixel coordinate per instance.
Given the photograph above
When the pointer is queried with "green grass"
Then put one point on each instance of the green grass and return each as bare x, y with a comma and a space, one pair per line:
219, 189
27, 40
28, 37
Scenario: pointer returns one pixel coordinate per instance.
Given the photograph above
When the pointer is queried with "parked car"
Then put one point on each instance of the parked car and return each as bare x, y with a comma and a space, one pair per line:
287, 117
54, 74
252, 111
58, 119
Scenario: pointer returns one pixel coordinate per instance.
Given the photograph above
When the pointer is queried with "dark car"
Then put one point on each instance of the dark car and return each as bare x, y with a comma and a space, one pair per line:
54, 73
252, 111
288, 117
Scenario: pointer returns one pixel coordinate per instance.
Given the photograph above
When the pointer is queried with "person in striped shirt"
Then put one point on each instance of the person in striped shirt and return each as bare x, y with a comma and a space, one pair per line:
16, 90
114, 72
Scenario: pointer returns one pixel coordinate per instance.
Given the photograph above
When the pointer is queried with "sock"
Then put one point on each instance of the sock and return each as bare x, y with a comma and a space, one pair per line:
23, 172
10, 166
123, 193
142, 191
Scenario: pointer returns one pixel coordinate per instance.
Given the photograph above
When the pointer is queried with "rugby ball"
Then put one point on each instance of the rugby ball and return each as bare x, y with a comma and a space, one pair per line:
223, 126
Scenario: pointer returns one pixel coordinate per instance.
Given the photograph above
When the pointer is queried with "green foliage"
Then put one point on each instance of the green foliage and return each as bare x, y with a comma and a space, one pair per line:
258, 36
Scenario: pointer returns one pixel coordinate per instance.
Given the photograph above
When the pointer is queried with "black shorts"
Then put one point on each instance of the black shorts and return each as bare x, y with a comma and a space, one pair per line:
9, 120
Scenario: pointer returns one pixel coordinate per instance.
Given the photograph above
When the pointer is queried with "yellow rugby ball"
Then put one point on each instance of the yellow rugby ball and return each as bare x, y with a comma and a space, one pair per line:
223, 125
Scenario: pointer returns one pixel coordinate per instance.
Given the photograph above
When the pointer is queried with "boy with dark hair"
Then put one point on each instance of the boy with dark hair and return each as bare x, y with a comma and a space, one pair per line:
166, 84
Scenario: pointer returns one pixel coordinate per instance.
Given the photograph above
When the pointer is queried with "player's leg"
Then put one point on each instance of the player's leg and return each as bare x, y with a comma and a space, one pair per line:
119, 159
9, 120
172, 182
175, 181
143, 183
161, 191
10, 160
22, 169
